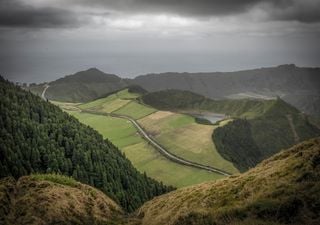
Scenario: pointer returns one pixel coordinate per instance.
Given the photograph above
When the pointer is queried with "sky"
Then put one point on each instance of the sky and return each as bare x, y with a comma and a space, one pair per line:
42, 40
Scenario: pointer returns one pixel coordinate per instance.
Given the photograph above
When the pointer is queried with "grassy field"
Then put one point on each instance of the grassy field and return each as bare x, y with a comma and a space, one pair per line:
135, 110
108, 104
147, 159
125, 94
177, 132
122, 103
185, 138
119, 131
143, 156
70, 108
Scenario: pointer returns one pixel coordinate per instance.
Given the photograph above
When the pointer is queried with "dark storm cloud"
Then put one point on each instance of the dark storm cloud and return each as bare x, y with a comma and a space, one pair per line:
184, 7
16, 14
306, 11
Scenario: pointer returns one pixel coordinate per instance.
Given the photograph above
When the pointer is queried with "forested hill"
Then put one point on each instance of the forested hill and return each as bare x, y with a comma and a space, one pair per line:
260, 128
82, 86
37, 136
297, 85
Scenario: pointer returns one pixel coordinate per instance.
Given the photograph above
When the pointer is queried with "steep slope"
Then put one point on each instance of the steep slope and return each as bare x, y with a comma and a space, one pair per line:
260, 128
248, 141
294, 84
54, 199
37, 136
83, 86
284, 189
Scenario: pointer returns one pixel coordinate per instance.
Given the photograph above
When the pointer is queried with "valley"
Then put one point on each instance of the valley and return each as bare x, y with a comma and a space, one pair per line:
136, 147
144, 156
172, 112
177, 125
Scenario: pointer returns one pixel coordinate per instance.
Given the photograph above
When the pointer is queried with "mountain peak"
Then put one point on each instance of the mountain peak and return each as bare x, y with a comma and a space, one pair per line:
94, 69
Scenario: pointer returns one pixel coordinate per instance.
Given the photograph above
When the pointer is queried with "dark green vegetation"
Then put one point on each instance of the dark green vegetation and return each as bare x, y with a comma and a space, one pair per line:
49, 199
83, 86
235, 143
37, 136
260, 128
284, 189
180, 129
296, 85
202, 121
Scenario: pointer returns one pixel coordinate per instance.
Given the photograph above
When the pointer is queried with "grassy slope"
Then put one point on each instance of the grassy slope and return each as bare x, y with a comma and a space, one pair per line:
143, 156
268, 121
284, 189
120, 131
177, 128
123, 134
135, 110
54, 199
107, 104
186, 100
182, 136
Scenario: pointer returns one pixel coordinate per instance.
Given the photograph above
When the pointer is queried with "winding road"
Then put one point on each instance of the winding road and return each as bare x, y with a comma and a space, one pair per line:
160, 148
44, 92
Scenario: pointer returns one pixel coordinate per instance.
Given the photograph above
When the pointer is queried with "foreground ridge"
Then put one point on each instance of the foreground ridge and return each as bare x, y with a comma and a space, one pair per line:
284, 189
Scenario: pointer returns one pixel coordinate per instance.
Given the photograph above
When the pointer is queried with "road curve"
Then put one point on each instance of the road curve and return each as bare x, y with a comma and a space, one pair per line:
44, 92
160, 148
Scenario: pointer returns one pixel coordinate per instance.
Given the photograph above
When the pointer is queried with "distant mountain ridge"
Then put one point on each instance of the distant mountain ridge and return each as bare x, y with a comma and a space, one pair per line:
297, 85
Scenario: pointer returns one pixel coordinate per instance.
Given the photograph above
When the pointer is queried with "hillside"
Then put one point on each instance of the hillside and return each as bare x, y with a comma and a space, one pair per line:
299, 86
37, 136
187, 100
82, 86
54, 199
259, 129
296, 85
284, 189
173, 130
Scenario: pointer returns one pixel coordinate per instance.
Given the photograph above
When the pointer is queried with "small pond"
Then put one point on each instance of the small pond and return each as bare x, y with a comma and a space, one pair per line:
212, 117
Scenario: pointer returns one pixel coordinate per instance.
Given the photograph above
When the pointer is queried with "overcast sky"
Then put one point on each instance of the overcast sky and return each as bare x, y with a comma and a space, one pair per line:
42, 40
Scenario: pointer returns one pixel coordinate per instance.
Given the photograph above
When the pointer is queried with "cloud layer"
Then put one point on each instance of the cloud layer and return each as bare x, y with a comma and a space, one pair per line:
74, 13
14, 13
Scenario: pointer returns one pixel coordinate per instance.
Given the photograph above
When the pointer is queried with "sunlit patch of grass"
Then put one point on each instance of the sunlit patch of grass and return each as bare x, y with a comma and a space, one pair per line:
56, 178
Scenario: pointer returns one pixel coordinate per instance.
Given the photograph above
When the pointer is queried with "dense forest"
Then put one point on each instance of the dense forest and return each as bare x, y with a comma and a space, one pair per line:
246, 142
37, 137
235, 143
